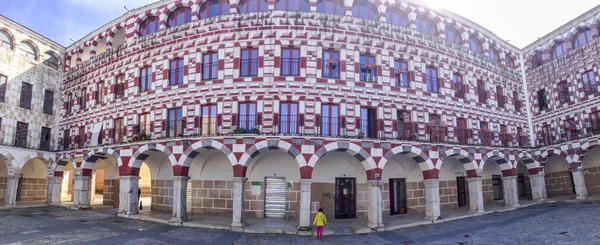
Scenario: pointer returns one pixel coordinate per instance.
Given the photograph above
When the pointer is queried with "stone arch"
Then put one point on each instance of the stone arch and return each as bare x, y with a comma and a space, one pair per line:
91, 157
584, 148
546, 154
528, 159
140, 155
358, 152
9, 160
36, 48
499, 157
192, 151
425, 163
11, 36
46, 159
272, 144
463, 156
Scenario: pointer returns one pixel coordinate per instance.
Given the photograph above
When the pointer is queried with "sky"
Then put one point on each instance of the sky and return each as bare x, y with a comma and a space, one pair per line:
520, 21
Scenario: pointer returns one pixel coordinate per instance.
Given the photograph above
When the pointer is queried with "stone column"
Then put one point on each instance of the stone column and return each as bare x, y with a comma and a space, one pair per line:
579, 181
54, 189
128, 195
476, 194
82, 194
538, 186
179, 199
305, 188
375, 216
511, 194
11, 190
239, 189
432, 199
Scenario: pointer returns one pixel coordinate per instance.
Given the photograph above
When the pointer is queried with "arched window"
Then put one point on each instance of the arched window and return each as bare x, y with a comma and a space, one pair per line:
29, 50
558, 49
475, 44
493, 54
365, 10
251, 6
396, 17
537, 59
50, 60
214, 8
582, 37
331, 7
452, 35
424, 25
509, 61
179, 17
149, 26
293, 5
5, 40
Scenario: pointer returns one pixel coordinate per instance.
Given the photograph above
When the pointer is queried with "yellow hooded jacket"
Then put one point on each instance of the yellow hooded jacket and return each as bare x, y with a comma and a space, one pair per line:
320, 219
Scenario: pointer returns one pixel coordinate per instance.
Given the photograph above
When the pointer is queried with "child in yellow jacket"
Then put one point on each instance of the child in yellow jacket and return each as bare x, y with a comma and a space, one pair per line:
320, 221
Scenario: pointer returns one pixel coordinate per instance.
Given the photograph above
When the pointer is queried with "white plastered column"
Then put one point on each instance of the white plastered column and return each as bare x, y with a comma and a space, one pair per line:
579, 181
305, 188
375, 215
54, 189
11, 190
239, 188
128, 195
476, 194
179, 199
82, 192
432, 199
511, 195
538, 186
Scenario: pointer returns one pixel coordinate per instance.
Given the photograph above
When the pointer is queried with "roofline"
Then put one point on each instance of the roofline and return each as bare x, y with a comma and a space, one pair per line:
11, 20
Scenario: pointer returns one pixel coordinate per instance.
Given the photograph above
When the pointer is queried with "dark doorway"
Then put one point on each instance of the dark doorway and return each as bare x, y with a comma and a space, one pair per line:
521, 185
397, 196
572, 182
497, 187
345, 198
20, 187
461, 185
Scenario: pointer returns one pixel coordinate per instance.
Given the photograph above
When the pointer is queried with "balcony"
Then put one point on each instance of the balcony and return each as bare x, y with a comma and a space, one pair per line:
437, 134
407, 131
464, 135
367, 129
207, 125
487, 137
523, 141
288, 124
329, 126
290, 66
505, 139
368, 74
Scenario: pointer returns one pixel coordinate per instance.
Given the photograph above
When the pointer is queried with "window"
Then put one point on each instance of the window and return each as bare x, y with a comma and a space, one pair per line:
425, 26
563, 92
288, 118
493, 54
249, 63
437, 133
176, 72
209, 120
45, 139
475, 44
251, 6
367, 68
21, 135
329, 120
174, 123
396, 17
541, 94
432, 80
594, 123
368, 122
100, 93
405, 127
214, 8
293, 5
248, 117
589, 83
119, 130
66, 139
462, 130
558, 49
537, 59
26, 94
51, 60
509, 61
401, 71
582, 37
481, 92
570, 129
290, 62
331, 7
48, 102
517, 101
210, 65
504, 136
82, 137
69, 103
28, 50
365, 10
150, 25
497, 190
459, 86
146, 79
120, 86
546, 135
3, 83
452, 35
485, 134
5, 40
331, 66
500, 96
179, 17
145, 123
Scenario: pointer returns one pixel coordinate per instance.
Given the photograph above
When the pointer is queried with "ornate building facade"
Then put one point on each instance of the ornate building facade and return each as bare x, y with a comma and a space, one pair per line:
278, 108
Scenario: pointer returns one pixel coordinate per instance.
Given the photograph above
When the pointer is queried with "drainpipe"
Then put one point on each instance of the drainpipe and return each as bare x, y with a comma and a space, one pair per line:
533, 137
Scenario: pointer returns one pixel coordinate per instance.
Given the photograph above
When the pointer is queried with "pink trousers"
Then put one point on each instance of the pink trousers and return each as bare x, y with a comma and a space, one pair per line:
319, 231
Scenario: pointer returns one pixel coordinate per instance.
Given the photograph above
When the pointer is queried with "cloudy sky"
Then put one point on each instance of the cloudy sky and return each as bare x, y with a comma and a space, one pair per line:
520, 21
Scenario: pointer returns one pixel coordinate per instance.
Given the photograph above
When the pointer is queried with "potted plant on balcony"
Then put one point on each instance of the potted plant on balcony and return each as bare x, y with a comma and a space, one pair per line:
143, 136
239, 131
253, 131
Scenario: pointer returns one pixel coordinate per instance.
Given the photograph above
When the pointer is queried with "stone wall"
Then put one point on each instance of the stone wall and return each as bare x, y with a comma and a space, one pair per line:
488, 190
213, 197
162, 195
3, 185
592, 180
33, 189
448, 195
558, 183
109, 193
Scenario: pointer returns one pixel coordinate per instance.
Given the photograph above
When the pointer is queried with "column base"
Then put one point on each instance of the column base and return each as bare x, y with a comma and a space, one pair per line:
81, 207
581, 198
177, 221
305, 228
238, 225
376, 227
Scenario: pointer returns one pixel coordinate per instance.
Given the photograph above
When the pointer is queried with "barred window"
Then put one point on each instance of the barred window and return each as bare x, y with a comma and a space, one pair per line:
432, 80
210, 66
21, 135
26, 94
145, 79
48, 102
3, 82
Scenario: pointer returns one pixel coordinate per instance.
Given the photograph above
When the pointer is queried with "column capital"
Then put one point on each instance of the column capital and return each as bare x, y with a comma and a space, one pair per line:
14, 176
129, 177
240, 179
431, 182
374, 182
509, 177
576, 170
538, 174
306, 181
82, 177
477, 178
180, 178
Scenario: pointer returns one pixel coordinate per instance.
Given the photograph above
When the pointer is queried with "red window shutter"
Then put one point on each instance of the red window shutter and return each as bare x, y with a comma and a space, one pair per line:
234, 120
343, 122
219, 120
259, 119
276, 119
411, 75
301, 120
395, 125
440, 83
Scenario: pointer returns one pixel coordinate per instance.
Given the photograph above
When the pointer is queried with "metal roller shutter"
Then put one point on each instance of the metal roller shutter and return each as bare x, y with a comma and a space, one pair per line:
275, 193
